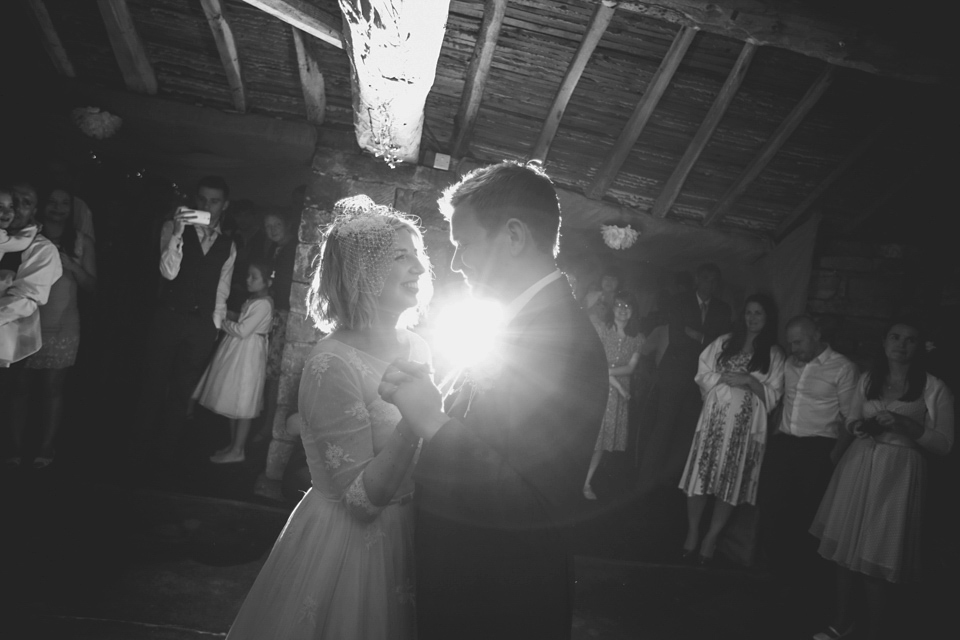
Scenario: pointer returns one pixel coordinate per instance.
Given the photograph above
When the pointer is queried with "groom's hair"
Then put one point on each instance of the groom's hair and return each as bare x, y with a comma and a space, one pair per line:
509, 190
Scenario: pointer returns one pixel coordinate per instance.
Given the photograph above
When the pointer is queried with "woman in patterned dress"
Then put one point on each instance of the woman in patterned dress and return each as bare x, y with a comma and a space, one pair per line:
621, 337
343, 565
869, 519
741, 378
59, 321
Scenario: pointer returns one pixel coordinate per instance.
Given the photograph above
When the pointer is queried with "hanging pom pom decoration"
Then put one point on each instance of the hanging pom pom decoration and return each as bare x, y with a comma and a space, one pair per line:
618, 237
96, 123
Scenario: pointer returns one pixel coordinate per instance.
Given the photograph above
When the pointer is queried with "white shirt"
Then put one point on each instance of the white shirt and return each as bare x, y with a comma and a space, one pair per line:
171, 253
516, 306
819, 395
39, 268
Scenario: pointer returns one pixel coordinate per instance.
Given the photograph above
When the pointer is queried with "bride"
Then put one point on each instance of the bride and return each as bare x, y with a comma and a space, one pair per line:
342, 566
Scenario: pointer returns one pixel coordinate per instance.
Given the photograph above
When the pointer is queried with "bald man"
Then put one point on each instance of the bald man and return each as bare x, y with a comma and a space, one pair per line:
819, 386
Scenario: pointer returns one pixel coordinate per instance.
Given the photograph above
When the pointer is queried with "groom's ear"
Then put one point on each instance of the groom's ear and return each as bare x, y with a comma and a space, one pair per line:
518, 236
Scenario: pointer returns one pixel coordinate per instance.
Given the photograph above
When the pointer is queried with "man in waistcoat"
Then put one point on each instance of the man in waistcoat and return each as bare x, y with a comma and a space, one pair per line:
196, 265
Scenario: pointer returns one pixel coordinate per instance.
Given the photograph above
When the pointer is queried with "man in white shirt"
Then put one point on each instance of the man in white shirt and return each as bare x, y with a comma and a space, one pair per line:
500, 473
819, 389
196, 265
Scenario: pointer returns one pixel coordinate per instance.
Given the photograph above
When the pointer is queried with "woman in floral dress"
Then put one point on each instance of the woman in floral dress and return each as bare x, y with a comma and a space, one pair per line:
621, 337
741, 378
343, 565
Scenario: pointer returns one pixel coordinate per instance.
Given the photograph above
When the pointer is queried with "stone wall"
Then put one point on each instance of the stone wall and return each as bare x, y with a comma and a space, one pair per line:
858, 286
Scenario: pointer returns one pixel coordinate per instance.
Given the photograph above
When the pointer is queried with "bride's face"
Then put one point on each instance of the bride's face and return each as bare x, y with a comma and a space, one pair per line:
402, 282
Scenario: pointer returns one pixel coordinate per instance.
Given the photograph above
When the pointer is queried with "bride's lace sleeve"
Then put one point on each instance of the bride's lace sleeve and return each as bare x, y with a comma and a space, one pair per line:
337, 427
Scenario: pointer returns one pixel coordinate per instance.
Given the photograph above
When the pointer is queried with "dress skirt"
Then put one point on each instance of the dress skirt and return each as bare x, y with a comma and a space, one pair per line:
326, 575
869, 518
232, 385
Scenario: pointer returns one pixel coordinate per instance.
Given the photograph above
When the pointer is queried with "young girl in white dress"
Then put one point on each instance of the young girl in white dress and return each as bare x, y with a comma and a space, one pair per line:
232, 385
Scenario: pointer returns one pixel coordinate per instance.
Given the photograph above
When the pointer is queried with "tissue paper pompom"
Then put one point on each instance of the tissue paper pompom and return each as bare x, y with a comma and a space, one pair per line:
96, 123
618, 237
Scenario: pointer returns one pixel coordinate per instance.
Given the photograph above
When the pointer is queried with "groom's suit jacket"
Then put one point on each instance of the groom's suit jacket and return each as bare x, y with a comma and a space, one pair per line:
498, 487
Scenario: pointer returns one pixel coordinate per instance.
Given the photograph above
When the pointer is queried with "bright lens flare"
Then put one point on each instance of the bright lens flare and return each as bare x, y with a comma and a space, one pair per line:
466, 332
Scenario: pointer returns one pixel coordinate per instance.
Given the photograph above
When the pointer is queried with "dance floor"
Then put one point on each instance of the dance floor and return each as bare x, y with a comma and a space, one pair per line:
109, 561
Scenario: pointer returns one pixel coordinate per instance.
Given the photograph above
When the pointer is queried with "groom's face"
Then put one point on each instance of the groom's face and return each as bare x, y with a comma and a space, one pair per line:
480, 256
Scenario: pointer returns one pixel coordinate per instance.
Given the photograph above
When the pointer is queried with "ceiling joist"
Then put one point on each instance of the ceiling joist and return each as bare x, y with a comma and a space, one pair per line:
51, 40
788, 25
304, 16
311, 79
595, 30
771, 146
227, 48
641, 114
828, 182
128, 47
477, 72
729, 89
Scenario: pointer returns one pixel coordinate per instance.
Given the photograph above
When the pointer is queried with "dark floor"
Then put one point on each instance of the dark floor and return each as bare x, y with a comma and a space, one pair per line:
96, 549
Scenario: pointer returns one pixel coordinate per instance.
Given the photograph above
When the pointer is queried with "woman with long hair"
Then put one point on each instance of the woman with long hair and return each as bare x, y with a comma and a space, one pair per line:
622, 340
869, 519
343, 565
59, 323
741, 377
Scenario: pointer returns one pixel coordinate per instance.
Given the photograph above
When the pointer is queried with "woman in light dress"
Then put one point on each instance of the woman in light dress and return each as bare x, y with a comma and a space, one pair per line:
741, 378
620, 334
343, 566
869, 519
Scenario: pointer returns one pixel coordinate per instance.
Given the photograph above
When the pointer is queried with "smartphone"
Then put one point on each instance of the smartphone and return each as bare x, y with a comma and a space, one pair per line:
194, 216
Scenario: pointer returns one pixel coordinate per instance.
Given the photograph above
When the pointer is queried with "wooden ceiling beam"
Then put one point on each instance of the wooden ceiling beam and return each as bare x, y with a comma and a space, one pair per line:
311, 79
789, 25
772, 146
227, 47
477, 72
595, 30
51, 39
828, 182
641, 114
892, 189
304, 16
729, 89
127, 47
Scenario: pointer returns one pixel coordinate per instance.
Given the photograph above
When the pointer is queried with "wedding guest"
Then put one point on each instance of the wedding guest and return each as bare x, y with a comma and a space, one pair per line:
343, 565
280, 250
59, 323
196, 265
696, 319
741, 376
869, 519
36, 268
622, 341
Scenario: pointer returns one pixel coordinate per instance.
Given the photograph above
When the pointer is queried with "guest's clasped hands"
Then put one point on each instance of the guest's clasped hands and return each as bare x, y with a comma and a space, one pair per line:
733, 379
409, 386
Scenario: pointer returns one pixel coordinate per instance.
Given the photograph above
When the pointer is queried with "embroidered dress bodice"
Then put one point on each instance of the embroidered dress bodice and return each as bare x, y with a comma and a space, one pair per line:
346, 422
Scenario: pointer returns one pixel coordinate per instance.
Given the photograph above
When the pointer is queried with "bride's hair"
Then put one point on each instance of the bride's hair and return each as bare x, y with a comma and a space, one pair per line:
355, 256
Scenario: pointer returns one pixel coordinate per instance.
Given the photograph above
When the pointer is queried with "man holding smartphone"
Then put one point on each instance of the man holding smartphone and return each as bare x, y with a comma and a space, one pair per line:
196, 263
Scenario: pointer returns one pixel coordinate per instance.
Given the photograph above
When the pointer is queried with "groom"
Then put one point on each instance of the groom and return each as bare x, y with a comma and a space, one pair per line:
501, 471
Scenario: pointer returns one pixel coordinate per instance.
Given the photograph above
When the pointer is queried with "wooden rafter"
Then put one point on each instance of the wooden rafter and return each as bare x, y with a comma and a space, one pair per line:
227, 47
128, 47
729, 89
790, 25
304, 16
772, 145
598, 25
477, 72
311, 79
641, 114
51, 40
828, 182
